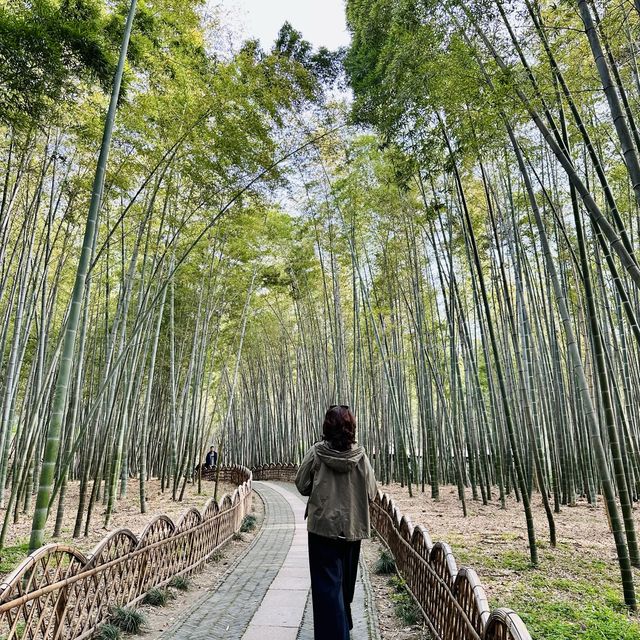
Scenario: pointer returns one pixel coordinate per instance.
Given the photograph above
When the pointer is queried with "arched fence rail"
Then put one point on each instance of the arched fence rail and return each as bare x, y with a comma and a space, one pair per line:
284, 472
452, 599
281, 471
58, 593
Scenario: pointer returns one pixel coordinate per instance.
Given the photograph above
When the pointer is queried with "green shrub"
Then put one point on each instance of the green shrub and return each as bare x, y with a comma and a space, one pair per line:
385, 564
127, 619
397, 583
156, 597
406, 609
181, 583
107, 632
248, 523
404, 605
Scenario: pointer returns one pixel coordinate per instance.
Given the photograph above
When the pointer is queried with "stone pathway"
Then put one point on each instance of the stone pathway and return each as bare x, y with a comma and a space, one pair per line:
280, 613
266, 593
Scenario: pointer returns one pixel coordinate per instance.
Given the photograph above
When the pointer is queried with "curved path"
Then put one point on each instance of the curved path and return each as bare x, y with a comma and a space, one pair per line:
265, 595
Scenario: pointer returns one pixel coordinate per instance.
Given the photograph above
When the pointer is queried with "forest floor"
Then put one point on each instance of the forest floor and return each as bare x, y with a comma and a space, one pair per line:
574, 592
127, 514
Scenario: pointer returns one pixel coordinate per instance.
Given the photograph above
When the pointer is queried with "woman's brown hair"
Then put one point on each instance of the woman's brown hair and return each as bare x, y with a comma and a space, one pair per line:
339, 428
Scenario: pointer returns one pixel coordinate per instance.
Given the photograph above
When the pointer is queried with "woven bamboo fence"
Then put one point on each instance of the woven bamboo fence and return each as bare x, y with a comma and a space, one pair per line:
58, 593
452, 599
284, 472
279, 471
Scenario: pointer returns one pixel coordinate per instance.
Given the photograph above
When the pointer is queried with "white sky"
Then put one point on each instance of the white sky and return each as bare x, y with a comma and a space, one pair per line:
321, 22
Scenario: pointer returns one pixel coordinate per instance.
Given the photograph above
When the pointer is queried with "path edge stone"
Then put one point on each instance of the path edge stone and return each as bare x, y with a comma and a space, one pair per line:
373, 623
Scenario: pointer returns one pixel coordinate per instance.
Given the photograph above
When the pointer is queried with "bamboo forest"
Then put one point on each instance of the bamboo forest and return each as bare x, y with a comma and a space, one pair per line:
207, 239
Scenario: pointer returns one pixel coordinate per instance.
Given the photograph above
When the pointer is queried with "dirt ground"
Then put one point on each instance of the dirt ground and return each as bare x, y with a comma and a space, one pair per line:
127, 513
581, 525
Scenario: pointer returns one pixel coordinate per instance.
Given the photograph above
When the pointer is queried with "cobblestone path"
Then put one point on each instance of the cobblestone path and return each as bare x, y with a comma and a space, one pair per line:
266, 594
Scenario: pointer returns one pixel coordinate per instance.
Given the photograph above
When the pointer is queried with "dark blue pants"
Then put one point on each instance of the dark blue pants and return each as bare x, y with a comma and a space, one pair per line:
334, 566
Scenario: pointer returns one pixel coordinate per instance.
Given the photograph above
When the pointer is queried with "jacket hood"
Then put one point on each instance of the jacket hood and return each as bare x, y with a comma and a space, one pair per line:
339, 461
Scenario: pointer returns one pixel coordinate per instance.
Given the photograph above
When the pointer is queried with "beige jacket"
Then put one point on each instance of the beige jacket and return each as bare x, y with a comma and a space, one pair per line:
340, 485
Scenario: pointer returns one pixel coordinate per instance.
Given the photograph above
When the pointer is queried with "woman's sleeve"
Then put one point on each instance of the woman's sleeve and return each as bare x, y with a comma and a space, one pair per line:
304, 477
372, 488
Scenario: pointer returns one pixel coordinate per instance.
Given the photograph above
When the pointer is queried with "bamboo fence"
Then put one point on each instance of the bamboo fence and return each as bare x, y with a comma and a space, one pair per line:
59, 593
452, 599
284, 472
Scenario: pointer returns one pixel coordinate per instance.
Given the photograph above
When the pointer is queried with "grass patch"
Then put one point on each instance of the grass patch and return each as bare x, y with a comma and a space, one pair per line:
156, 597
571, 594
10, 557
107, 632
564, 609
237, 536
181, 583
515, 561
127, 619
248, 523
385, 564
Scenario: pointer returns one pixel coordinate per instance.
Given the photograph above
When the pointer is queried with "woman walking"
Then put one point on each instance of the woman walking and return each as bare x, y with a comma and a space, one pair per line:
337, 476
